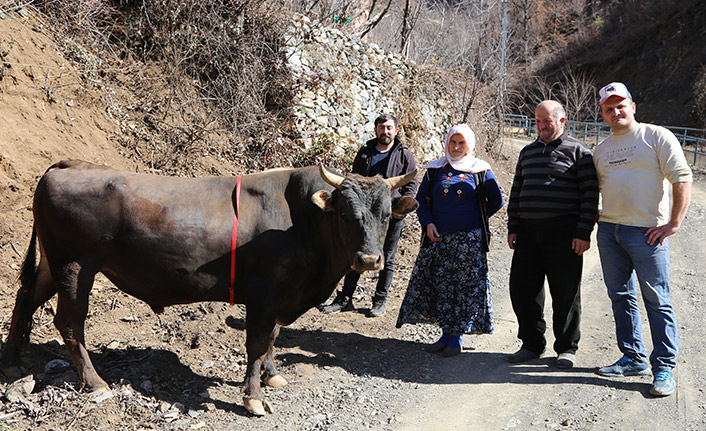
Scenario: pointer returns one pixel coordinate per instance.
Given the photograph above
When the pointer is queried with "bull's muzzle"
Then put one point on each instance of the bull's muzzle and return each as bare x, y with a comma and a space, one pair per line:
367, 262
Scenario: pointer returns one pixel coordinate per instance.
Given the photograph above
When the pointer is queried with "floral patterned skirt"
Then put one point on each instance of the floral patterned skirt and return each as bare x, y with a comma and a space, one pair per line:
449, 286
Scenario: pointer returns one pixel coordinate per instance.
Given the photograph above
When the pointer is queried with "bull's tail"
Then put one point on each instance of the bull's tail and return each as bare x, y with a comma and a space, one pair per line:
28, 274
21, 323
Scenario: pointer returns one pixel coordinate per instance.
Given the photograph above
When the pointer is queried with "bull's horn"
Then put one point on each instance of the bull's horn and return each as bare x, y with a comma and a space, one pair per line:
396, 182
330, 177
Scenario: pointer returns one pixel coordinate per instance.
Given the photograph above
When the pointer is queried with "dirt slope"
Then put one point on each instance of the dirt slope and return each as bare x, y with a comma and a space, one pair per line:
46, 115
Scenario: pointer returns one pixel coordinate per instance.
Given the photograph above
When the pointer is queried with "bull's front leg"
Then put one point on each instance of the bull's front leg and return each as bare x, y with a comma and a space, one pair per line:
257, 345
270, 376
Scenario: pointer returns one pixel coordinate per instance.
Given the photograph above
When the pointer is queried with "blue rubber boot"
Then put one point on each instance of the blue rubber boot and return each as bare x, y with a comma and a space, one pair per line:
440, 344
453, 348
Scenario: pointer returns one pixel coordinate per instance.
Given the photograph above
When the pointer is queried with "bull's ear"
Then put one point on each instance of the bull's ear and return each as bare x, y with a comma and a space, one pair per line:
403, 205
323, 200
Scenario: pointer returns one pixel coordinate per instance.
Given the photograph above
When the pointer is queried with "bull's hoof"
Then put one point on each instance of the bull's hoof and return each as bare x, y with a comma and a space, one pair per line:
98, 391
97, 386
275, 381
257, 407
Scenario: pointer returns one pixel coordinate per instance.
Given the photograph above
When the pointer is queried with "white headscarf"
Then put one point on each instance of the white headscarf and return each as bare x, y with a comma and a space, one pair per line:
467, 163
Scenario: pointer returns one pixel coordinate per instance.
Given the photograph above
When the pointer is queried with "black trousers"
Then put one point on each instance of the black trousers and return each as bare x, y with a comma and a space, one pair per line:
539, 254
392, 238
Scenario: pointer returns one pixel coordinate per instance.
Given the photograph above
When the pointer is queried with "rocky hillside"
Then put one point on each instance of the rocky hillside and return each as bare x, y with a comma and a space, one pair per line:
343, 84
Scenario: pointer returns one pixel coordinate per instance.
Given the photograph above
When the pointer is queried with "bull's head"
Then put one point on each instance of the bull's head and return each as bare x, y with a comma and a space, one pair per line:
364, 208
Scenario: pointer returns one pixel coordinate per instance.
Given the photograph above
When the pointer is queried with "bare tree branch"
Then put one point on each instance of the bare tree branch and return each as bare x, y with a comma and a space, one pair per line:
371, 24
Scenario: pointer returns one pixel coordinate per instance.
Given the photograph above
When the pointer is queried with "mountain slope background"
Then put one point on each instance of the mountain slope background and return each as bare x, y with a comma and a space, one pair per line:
657, 49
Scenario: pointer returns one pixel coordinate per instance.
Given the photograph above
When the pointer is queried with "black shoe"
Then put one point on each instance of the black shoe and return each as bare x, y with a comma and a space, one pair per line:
341, 303
523, 355
450, 351
377, 310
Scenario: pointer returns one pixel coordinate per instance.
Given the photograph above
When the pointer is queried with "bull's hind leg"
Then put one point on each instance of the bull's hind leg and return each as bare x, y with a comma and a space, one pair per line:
74, 286
37, 287
270, 377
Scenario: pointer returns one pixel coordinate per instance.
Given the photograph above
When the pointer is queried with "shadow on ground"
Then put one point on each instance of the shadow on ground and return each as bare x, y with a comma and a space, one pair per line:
407, 361
171, 380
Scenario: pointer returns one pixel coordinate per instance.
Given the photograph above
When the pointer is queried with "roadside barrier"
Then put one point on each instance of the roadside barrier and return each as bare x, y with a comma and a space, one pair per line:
693, 141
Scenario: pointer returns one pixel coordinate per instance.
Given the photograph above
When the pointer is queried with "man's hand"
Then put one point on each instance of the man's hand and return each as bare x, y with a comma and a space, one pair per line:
681, 197
511, 238
659, 233
579, 246
432, 233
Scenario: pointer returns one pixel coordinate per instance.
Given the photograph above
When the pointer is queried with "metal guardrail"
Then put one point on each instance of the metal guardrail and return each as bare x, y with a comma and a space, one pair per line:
693, 141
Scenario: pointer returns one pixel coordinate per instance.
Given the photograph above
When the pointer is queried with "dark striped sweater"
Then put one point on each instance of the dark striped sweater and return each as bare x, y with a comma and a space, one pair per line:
555, 185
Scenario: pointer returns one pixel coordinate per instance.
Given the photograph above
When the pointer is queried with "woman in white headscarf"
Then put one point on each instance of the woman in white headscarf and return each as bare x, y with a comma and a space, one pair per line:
449, 285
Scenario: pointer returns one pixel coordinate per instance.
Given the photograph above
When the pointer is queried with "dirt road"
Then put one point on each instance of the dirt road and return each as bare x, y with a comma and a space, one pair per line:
480, 390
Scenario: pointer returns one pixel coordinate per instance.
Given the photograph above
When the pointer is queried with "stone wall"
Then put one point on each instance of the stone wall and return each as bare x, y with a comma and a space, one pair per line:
342, 84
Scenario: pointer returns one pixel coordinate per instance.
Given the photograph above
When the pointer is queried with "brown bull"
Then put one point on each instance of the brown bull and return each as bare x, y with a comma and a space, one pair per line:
167, 240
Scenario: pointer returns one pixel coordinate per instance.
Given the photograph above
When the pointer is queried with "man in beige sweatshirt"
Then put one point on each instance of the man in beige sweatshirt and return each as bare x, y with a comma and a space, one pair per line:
636, 165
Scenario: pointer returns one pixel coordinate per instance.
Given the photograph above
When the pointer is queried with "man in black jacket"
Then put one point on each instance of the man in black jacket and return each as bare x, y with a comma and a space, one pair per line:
386, 156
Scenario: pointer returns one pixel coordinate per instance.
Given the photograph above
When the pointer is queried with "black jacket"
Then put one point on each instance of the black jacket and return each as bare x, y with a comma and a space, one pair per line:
401, 162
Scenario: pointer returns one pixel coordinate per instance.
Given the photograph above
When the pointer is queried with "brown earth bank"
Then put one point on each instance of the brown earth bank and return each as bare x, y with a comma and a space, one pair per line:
183, 369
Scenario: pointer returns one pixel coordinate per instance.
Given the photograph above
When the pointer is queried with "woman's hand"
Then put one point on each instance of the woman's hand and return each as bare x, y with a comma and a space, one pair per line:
432, 233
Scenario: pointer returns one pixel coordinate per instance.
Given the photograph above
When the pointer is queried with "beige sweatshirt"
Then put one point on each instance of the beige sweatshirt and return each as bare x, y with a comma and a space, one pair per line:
635, 171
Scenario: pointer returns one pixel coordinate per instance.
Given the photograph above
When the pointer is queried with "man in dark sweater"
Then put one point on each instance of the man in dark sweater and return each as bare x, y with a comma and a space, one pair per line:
386, 156
552, 210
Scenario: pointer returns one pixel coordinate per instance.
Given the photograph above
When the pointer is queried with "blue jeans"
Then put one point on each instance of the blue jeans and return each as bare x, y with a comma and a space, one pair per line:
625, 253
